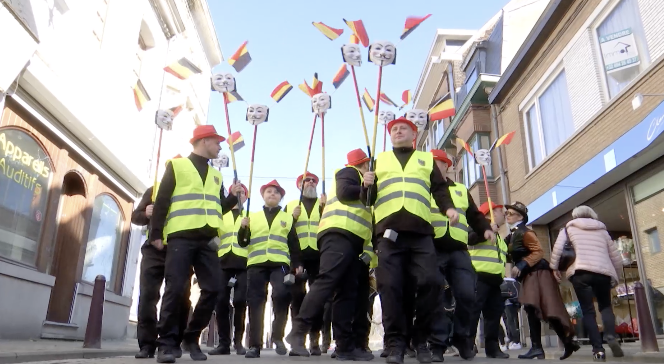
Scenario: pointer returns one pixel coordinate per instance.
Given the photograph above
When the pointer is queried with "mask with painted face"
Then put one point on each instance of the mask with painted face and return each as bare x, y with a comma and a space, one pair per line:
257, 114
383, 53
483, 157
352, 54
419, 117
164, 119
320, 103
223, 82
221, 162
385, 116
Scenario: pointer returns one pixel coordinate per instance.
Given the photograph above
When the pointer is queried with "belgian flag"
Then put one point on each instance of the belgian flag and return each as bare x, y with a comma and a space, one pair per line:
281, 91
141, 96
444, 108
412, 22
236, 141
340, 77
182, 68
368, 101
241, 58
328, 31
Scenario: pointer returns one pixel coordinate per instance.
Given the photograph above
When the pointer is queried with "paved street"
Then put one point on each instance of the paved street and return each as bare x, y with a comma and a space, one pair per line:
270, 356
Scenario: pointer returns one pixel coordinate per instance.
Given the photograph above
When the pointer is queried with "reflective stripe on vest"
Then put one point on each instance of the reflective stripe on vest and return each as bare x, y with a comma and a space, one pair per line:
459, 232
488, 257
229, 240
353, 217
306, 226
408, 187
269, 243
368, 248
194, 204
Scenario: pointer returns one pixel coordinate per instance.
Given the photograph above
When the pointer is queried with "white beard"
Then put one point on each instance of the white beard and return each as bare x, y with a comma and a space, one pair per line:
309, 192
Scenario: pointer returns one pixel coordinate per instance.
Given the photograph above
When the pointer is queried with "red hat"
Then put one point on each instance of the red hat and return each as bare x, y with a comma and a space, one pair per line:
484, 209
246, 191
440, 155
356, 157
176, 157
401, 120
309, 175
205, 131
275, 184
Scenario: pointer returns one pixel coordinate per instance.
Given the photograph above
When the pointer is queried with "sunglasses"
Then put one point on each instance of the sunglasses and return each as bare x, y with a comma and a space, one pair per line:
511, 213
309, 180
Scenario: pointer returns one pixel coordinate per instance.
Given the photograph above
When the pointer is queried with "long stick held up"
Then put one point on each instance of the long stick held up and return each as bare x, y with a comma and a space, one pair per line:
375, 130
359, 105
230, 144
306, 163
251, 168
488, 195
322, 133
156, 169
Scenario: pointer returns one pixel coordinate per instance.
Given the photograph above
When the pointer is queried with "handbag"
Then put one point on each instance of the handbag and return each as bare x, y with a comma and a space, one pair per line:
510, 288
568, 256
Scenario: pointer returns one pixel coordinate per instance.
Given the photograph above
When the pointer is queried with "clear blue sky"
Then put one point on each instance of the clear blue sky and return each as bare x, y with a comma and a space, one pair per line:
284, 45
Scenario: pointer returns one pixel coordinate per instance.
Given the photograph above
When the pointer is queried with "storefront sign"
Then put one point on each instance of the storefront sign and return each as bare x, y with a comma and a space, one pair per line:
619, 50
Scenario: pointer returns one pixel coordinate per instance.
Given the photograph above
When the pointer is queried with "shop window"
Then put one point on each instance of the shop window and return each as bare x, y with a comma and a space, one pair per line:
104, 241
622, 44
24, 189
472, 170
653, 240
549, 120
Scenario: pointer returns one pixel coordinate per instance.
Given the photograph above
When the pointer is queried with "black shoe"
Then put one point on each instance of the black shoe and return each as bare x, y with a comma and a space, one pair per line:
220, 350
465, 348
355, 355
177, 352
195, 351
296, 341
437, 354
616, 350
253, 353
165, 355
570, 347
395, 356
281, 348
492, 350
314, 349
239, 349
334, 354
146, 352
423, 354
410, 352
384, 353
599, 356
535, 352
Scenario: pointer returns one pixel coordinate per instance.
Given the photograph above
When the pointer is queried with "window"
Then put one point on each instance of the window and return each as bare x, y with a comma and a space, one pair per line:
549, 120
622, 44
104, 241
471, 78
653, 240
472, 170
24, 189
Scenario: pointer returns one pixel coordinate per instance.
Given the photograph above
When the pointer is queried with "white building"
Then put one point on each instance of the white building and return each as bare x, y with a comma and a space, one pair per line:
77, 152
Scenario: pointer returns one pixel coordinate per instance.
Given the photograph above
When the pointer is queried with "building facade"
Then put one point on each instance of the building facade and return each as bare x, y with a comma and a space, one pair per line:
586, 136
80, 84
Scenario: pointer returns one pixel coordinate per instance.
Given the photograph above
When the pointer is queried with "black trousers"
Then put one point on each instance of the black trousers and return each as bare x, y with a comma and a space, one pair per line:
490, 304
410, 260
457, 269
512, 322
151, 278
299, 290
339, 264
223, 307
327, 323
181, 255
588, 285
257, 280
361, 323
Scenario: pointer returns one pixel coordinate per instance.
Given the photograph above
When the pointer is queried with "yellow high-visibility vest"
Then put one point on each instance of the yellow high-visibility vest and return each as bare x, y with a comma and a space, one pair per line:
269, 243
228, 241
194, 204
488, 257
306, 226
353, 217
368, 248
408, 187
439, 220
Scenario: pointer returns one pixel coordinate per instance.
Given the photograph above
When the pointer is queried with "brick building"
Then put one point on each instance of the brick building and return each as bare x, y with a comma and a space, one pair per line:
586, 135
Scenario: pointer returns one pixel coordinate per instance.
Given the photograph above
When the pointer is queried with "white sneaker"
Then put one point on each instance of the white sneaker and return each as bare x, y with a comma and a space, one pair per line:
515, 346
503, 348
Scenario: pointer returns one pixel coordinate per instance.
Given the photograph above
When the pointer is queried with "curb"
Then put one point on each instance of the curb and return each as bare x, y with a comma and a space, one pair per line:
25, 357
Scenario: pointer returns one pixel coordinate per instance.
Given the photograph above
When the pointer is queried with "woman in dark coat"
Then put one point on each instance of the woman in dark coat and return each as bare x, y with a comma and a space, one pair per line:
539, 290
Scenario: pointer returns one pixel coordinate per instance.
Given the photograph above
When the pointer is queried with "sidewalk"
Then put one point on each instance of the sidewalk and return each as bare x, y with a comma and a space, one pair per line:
21, 351
631, 350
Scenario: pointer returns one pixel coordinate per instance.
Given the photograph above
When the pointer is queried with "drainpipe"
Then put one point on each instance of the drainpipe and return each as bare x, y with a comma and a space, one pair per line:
503, 183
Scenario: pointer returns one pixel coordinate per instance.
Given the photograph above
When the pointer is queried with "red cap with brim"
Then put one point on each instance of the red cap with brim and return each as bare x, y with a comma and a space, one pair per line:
298, 183
205, 131
274, 184
440, 155
401, 120
484, 208
246, 191
356, 157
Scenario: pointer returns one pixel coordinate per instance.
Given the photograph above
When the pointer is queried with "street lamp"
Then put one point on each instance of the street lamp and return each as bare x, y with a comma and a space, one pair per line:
638, 99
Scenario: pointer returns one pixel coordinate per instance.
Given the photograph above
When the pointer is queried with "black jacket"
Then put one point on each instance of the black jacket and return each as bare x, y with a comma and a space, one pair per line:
244, 238
232, 260
348, 186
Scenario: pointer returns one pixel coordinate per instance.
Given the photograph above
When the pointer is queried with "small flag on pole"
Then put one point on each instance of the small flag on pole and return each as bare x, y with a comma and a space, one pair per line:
141, 96
236, 141
329, 32
412, 22
316, 86
503, 140
340, 77
368, 101
233, 96
444, 108
182, 68
357, 26
176, 110
387, 100
354, 39
406, 97
465, 146
281, 91
241, 58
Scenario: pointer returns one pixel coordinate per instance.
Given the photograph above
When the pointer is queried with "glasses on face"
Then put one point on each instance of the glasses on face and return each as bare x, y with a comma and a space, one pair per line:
511, 213
309, 180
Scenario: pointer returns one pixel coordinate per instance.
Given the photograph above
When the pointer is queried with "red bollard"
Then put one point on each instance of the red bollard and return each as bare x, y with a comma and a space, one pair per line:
96, 315
646, 330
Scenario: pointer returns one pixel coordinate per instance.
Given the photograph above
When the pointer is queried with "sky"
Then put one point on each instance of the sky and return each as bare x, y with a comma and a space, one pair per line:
285, 46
